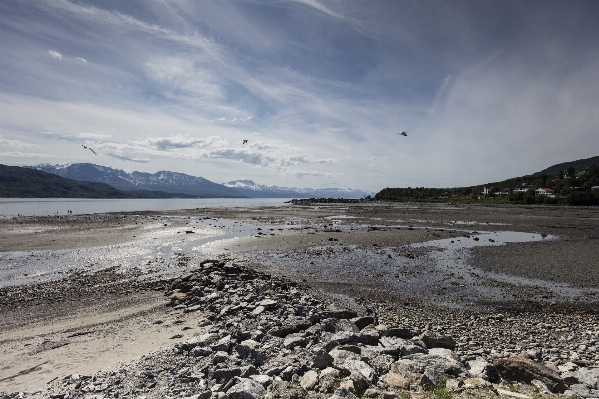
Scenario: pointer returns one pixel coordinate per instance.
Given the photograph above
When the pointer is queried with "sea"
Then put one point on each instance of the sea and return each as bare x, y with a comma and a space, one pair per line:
84, 206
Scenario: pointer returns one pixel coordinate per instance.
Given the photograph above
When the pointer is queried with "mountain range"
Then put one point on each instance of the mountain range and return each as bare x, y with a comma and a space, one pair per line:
180, 183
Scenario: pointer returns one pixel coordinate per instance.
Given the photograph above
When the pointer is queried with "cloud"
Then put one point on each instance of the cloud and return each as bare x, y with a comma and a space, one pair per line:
81, 59
55, 54
306, 159
19, 154
94, 136
300, 175
178, 141
127, 158
16, 143
253, 158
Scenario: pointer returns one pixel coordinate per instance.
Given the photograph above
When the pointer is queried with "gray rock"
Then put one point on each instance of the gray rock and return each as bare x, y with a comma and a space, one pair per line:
222, 344
246, 388
342, 393
224, 375
309, 380
524, 370
321, 359
247, 348
362, 322
286, 390
202, 340
200, 351
480, 368
293, 340
588, 376
360, 373
437, 341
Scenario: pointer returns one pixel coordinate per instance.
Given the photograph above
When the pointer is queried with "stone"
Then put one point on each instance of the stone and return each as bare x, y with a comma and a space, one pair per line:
340, 356
437, 341
293, 340
224, 375
258, 310
286, 390
480, 368
360, 373
262, 379
222, 344
247, 348
321, 359
246, 388
524, 370
396, 381
200, 351
588, 376
400, 333
202, 340
342, 393
400, 346
309, 380
362, 322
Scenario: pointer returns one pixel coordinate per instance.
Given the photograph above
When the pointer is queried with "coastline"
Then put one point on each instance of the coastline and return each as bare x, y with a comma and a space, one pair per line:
44, 334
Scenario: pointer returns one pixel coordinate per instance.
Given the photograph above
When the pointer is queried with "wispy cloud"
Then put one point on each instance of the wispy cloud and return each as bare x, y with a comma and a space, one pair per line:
55, 54
127, 158
301, 175
16, 143
81, 59
94, 136
179, 141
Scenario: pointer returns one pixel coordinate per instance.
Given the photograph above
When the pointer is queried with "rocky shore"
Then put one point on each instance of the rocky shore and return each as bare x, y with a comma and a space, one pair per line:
256, 336
232, 328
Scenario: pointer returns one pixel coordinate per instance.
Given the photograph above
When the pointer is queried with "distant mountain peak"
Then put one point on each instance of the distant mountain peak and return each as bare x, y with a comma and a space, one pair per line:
175, 182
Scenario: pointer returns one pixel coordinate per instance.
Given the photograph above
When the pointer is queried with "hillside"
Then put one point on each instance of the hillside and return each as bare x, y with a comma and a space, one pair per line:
578, 165
569, 188
18, 182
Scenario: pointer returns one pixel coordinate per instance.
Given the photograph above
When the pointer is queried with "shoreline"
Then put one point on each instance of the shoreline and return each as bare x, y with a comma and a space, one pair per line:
286, 254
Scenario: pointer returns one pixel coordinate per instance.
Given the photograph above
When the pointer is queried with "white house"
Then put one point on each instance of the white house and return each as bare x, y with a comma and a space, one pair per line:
545, 191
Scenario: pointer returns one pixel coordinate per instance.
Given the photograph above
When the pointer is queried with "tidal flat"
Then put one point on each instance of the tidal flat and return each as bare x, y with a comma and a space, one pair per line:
85, 294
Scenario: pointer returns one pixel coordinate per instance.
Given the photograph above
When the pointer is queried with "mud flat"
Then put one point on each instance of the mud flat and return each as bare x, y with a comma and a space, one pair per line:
489, 284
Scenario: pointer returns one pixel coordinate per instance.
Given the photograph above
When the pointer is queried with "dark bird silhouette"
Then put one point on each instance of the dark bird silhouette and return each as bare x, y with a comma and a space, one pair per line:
89, 148
403, 134
245, 141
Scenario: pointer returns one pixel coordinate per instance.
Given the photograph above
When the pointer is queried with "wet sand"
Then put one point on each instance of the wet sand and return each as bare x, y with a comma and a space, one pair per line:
359, 254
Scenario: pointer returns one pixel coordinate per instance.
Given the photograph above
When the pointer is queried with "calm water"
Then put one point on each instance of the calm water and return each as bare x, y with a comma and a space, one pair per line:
60, 206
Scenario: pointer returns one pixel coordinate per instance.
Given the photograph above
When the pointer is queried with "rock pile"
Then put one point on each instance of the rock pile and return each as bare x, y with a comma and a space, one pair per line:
263, 337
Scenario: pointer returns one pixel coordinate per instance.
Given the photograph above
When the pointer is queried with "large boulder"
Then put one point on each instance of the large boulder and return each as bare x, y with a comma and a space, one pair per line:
246, 388
525, 370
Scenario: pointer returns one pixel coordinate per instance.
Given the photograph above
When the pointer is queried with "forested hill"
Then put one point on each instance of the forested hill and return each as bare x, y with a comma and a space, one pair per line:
580, 165
571, 182
17, 182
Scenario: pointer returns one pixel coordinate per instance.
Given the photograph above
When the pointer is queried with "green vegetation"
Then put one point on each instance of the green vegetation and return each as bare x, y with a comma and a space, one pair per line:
17, 182
572, 186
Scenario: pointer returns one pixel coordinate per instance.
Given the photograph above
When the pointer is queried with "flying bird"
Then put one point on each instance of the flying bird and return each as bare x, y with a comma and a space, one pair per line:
245, 141
89, 148
403, 134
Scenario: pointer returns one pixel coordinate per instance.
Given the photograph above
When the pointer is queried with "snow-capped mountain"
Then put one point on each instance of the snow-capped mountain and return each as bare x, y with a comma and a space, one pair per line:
173, 182
251, 189
170, 182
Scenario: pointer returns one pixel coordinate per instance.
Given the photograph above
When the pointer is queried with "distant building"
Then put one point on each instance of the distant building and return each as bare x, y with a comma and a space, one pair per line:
525, 188
546, 191
594, 188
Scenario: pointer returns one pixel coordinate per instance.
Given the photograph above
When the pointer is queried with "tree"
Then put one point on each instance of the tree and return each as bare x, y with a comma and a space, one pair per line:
570, 171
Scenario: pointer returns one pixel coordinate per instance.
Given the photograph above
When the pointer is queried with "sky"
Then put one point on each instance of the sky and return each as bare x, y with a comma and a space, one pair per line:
486, 90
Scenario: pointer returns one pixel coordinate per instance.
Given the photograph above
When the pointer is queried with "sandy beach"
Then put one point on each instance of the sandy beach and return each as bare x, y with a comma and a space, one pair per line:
87, 293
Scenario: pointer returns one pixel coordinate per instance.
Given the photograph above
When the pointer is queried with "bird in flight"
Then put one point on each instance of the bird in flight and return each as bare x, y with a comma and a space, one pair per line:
245, 141
89, 148
403, 134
